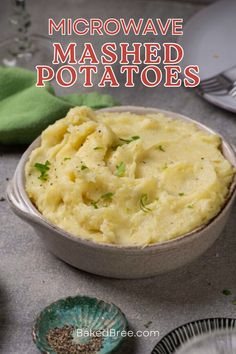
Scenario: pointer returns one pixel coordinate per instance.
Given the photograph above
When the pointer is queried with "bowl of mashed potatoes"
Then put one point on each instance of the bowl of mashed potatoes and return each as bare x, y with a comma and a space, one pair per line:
126, 192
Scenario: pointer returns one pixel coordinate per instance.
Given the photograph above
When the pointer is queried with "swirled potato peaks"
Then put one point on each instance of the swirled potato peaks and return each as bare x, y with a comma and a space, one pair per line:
127, 179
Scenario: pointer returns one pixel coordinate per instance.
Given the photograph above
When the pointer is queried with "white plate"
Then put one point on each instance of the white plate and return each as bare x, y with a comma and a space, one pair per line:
171, 342
209, 42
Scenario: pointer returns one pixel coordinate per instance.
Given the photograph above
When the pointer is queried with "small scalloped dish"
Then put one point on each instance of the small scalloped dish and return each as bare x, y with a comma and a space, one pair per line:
85, 314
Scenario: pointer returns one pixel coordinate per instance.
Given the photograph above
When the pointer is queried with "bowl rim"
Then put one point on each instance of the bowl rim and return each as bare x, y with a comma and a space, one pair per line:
33, 215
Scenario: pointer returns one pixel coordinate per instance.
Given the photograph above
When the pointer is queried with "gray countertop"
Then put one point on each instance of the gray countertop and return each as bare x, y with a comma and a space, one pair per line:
31, 278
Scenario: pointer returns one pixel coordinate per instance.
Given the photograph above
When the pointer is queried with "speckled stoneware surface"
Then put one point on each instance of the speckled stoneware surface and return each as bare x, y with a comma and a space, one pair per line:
83, 313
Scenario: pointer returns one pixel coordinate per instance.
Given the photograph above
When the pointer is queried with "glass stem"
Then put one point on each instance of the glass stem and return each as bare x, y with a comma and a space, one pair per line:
20, 21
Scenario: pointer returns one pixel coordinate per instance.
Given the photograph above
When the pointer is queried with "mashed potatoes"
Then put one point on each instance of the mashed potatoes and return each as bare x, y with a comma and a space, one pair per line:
127, 179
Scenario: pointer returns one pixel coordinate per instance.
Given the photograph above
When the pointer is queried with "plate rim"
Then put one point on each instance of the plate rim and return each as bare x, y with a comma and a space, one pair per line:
160, 350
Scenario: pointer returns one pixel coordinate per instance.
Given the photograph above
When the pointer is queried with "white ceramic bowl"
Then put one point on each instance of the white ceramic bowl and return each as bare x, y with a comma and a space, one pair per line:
114, 260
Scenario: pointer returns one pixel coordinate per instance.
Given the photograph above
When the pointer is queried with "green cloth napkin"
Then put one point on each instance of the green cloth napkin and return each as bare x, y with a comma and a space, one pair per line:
26, 110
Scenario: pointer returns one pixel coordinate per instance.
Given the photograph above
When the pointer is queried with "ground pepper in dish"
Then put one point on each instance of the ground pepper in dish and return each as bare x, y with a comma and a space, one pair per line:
62, 342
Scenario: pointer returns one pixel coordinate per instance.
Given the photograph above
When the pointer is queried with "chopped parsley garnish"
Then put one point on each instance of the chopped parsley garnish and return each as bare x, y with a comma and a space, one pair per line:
43, 169
146, 325
226, 292
94, 204
107, 197
190, 206
160, 147
126, 141
133, 138
84, 167
67, 158
143, 202
120, 169
98, 148
181, 194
